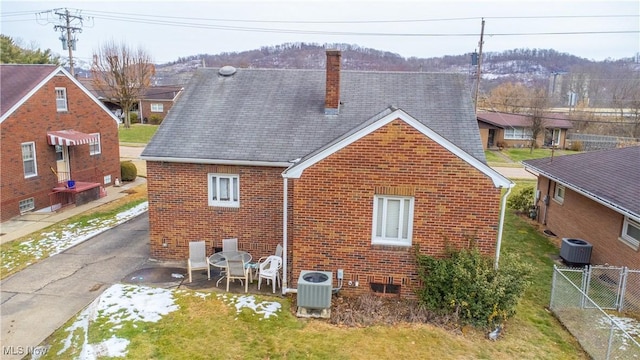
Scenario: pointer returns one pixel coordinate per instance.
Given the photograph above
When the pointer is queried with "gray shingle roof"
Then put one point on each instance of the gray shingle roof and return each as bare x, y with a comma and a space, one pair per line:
17, 80
278, 115
610, 175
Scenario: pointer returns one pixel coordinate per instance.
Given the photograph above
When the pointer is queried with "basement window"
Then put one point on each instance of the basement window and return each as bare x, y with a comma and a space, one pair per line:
27, 205
381, 288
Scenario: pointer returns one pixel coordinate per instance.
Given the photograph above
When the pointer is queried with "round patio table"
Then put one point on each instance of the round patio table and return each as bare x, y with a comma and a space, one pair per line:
219, 259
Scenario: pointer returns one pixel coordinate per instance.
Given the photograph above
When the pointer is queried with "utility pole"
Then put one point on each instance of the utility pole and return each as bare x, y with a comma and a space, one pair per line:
66, 29
479, 65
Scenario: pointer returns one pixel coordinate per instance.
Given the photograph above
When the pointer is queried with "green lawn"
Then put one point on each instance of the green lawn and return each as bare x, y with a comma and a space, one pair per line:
137, 133
520, 154
210, 327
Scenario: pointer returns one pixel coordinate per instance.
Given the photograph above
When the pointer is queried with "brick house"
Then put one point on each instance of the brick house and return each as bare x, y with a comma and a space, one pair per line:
348, 170
594, 196
156, 100
514, 130
53, 130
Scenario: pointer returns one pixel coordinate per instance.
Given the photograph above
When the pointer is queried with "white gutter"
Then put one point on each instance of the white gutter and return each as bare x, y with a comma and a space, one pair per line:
285, 203
503, 207
216, 161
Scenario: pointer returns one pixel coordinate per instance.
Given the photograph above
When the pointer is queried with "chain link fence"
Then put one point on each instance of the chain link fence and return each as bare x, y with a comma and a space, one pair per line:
576, 299
590, 142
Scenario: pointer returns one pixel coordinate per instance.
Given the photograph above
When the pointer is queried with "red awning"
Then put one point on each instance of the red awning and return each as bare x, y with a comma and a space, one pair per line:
69, 138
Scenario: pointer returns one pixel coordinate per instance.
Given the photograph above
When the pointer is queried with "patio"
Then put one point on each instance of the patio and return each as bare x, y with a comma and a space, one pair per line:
172, 275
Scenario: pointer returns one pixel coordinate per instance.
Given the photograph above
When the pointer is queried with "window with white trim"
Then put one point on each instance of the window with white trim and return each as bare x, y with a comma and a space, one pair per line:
558, 193
517, 133
631, 233
392, 220
224, 190
29, 159
157, 107
94, 146
61, 99
26, 205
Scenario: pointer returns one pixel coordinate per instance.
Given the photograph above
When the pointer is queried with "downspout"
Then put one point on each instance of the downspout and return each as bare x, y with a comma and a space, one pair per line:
285, 217
501, 227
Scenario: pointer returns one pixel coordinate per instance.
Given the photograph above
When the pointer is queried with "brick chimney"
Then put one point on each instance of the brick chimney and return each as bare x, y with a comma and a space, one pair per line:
332, 95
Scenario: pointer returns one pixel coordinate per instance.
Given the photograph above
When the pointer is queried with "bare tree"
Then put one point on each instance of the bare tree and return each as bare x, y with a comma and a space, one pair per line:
508, 97
538, 106
122, 74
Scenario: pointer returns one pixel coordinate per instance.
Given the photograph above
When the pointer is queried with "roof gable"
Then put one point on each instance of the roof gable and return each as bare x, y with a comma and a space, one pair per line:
19, 81
275, 115
378, 122
25, 80
610, 177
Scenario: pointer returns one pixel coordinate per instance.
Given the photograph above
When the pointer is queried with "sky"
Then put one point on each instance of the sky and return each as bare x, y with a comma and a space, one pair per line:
167, 30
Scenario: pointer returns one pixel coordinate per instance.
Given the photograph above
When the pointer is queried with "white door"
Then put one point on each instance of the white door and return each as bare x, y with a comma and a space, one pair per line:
62, 163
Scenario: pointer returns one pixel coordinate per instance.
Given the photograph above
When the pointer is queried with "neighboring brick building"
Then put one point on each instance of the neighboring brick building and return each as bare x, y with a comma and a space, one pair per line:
514, 130
53, 130
594, 196
241, 146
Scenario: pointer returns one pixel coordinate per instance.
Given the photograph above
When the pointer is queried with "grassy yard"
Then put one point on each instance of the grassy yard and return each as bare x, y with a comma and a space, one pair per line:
137, 133
520, 154
210, 326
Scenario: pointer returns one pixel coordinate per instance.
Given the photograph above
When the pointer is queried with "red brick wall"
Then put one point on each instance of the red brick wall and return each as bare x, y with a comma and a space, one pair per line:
580, 217
146, 112
31, 123
179, 211
332, 95
333, 208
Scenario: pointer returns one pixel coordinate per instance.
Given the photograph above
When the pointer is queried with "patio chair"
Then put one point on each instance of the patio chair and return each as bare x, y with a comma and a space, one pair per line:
270, 270
198, 258
255, 266
236, 270
229, 244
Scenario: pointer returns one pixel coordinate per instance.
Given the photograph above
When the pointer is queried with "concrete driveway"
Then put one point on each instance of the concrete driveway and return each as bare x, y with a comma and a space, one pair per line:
41, 298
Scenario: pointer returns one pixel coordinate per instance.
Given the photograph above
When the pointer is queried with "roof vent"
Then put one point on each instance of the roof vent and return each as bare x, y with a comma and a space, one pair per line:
227, 70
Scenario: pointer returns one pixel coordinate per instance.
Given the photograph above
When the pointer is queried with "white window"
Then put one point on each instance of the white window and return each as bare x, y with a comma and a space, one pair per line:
558, 193
517, 133
631, 233
26, 205
392, 220
29, 159
157, 107
94, 146
224, 190
61, 99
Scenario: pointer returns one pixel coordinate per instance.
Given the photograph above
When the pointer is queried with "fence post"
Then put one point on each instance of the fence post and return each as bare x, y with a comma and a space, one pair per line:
622, 288
553, 285
586, 279
610, 342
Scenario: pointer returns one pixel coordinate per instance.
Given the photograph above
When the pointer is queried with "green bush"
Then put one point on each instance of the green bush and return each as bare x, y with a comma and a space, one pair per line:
155, 119
466, 285
128, 170
522, 200
134, 118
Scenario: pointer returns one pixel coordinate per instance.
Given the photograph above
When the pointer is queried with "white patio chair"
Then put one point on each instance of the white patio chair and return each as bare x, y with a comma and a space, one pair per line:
236, 270
229, 244
270, 270
255, 266
198, 258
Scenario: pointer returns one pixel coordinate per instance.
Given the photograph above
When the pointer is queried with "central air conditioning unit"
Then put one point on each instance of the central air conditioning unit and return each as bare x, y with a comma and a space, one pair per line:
575, 252
314, 293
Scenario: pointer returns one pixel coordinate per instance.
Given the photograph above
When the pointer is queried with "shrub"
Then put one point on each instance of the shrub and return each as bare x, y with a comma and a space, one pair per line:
501, 145
466, 285
133, 117
522, 200
576, 145
128, 170
155, 119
